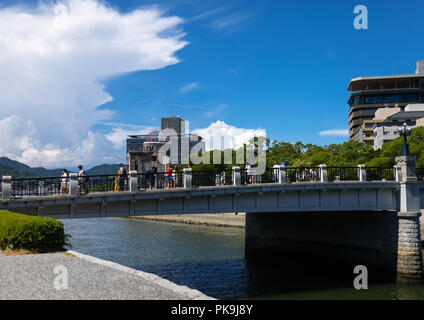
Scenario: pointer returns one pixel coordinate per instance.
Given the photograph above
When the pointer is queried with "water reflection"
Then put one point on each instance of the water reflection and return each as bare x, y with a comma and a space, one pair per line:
211, 259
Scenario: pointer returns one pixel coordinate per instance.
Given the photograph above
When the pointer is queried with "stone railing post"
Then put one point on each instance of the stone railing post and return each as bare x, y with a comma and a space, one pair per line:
323, 174
236, 176
187, 178
73, 184
410, 260
362, 173
133, 181
398, 173
6, 187
282, 173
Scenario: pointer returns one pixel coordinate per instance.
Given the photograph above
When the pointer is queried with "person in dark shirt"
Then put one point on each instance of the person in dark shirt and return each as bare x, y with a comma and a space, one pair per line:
151, 177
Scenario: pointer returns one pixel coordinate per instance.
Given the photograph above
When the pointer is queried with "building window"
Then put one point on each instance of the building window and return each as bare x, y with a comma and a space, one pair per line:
357, 101
375, 99
393, 99
412, 98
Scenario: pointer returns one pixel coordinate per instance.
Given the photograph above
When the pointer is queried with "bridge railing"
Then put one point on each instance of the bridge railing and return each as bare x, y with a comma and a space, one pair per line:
101, 183
29, 187
253, 175
209, 178
379, 174
159, 180
37, 187
343, 174
303, 174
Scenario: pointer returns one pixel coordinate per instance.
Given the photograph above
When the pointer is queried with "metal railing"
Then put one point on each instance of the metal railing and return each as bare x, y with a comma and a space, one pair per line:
101, 183
212, 178
342, 174
253, 175
160, 180
37, 187
303, 174
379, 174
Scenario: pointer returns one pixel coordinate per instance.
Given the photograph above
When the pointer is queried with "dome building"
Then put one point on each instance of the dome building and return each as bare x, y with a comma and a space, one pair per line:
143, 150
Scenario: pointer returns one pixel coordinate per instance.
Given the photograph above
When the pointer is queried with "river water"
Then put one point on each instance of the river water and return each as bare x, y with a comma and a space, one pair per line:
211, 260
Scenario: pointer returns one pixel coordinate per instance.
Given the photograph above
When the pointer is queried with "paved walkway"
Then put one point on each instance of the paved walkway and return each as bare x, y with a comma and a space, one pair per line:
32, 277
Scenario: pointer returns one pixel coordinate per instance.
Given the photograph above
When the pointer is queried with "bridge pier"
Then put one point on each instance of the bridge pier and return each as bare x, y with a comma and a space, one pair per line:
409, 254
338, 240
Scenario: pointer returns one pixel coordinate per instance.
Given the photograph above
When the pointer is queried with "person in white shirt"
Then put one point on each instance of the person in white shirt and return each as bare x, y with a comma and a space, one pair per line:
82, 180
64, 182
122, 176
247, 169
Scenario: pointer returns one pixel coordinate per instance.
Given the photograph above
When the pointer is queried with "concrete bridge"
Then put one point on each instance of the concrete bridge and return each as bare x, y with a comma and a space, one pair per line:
373, 223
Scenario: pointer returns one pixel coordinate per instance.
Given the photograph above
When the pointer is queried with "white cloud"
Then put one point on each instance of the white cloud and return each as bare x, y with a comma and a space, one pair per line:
335, 133
119, 135
232, 137
188, 87
52, 60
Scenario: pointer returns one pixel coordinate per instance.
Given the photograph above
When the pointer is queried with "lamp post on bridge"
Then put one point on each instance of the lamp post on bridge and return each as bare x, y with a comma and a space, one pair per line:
409, 255
405, 133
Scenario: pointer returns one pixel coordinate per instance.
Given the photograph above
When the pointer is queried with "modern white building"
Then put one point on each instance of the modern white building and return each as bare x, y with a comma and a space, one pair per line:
391, 120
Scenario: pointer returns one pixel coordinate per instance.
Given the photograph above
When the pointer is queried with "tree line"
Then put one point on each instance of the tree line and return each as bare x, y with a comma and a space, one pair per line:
346, 154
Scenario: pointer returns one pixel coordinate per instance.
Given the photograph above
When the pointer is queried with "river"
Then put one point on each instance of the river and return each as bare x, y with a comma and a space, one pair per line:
211, 260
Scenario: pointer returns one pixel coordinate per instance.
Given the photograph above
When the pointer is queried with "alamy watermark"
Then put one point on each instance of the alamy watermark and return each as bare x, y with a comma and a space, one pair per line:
361, 20
61, 280
361, 280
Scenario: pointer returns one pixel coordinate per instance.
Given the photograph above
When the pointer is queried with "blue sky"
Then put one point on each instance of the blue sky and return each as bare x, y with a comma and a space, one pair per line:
97, 70
280, 65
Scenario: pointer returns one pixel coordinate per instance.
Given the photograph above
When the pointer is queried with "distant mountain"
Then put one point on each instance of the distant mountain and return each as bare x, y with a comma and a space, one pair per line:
103, 169
23, 168
17, 169
8, 171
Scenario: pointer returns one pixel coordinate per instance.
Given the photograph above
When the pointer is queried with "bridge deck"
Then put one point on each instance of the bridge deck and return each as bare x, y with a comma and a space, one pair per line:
294, 197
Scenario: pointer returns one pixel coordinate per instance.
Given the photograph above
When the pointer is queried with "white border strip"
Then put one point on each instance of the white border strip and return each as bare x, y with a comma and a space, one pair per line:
191, 294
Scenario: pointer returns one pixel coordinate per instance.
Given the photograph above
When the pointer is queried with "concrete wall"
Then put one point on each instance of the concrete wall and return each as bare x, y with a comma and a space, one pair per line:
415, 107
358, 238
384, 113
420, 122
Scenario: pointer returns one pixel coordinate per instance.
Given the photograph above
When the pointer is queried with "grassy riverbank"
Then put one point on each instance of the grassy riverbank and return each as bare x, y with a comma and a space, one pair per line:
23, 233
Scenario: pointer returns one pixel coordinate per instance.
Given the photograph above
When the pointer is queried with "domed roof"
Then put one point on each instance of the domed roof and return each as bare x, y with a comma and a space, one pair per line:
152, 137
